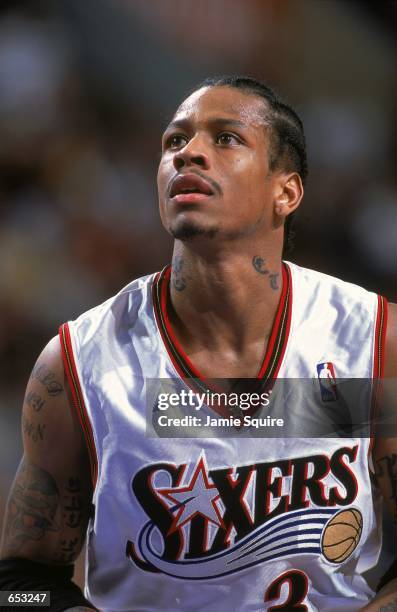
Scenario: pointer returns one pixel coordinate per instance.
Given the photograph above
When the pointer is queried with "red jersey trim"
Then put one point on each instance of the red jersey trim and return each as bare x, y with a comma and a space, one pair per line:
280, 330
78, 401
160, 320
380, 338
275, 348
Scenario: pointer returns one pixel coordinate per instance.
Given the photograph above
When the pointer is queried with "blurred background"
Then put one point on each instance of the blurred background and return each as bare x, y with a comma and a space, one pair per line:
86, 89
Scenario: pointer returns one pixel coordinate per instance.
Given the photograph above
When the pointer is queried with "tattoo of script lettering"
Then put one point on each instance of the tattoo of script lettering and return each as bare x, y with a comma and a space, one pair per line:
72, 517
178, 280
259, 265
31, 507
34, 431
73, 503
68, 550
35, 401
47, 378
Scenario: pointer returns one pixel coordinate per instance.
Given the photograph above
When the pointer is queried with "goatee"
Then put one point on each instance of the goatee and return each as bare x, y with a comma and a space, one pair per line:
187, 231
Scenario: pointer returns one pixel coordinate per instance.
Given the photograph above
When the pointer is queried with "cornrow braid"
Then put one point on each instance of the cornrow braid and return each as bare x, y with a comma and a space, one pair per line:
287, 149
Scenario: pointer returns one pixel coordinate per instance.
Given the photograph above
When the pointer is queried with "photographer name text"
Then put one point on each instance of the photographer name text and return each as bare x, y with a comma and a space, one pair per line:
210, 421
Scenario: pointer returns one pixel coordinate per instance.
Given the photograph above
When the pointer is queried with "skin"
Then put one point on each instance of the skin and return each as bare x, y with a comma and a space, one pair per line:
224, 279
49, 503
221, 134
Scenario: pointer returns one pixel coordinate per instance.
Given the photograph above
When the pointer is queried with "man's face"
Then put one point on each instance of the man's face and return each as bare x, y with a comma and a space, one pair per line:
214, 178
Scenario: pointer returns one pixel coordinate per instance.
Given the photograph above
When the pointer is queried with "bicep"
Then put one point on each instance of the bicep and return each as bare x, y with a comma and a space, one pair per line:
50, 499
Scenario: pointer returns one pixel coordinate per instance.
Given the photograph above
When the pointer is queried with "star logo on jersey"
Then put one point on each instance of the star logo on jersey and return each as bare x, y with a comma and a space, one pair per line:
198, 497
207, 522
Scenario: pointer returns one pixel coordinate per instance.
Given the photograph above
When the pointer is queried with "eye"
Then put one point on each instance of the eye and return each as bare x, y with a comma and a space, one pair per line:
176, 141
225, 138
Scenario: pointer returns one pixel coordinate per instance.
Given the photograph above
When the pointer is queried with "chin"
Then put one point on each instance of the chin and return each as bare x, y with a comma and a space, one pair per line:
188, 230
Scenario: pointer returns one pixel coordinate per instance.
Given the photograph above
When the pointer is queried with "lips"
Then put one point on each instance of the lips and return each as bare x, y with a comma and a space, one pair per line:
185, 184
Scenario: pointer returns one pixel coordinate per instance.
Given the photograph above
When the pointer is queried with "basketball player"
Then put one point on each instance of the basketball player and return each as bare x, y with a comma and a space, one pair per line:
209, 523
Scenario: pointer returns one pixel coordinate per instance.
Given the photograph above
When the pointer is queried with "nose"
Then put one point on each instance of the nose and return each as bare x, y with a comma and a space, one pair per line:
192, 154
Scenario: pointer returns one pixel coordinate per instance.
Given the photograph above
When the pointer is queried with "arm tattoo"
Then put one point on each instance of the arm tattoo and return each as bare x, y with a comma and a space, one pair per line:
31, 508
72, 517
68, 550
178, 281
260, 266
35, 432
34, 400
47, 378
73, 506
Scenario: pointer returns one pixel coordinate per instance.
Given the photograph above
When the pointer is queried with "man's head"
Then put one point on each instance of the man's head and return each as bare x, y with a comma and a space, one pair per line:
238, 144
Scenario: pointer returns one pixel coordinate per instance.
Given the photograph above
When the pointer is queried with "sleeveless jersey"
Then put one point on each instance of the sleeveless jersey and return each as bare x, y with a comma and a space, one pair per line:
238, 521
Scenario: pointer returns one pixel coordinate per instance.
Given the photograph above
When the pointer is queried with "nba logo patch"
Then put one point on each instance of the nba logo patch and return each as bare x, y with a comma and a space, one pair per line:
327, 381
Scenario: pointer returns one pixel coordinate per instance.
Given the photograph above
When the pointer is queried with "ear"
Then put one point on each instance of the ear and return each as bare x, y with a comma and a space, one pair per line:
289, 194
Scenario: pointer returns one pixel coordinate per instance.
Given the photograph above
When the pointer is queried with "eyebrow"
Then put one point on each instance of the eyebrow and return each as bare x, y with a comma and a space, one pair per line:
216, 121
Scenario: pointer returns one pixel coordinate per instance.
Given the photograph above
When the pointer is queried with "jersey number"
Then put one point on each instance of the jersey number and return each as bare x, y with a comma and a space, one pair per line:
297, 590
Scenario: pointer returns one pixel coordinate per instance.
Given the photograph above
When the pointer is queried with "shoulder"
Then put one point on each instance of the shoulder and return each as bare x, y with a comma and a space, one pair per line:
344, 305
328, 283
391, 342
124, 305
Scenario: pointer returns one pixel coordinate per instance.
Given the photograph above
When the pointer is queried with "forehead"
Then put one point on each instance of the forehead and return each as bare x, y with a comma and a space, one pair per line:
223, 101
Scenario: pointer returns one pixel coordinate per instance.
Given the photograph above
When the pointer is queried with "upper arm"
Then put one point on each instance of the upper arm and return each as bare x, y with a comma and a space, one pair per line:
50, 499
385, 448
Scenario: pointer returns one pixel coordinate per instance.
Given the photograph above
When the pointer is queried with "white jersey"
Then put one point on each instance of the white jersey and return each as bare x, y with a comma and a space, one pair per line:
261, 518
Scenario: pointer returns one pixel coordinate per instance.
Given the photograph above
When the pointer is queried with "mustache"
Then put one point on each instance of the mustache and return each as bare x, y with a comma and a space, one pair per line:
215, 186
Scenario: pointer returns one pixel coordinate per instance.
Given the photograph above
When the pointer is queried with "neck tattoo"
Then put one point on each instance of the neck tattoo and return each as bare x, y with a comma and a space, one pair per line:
259, 265
178, 279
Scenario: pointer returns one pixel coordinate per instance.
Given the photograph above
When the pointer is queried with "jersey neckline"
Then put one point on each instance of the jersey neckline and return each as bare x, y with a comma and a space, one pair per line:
276, 344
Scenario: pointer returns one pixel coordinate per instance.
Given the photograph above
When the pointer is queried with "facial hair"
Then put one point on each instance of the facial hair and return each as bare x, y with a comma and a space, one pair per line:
189, 231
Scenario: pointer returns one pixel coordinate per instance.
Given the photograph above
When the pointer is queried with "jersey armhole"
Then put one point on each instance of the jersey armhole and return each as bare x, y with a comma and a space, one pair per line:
380, 338
77, 395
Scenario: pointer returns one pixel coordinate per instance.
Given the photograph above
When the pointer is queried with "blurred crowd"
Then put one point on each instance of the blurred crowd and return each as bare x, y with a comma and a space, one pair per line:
85, 90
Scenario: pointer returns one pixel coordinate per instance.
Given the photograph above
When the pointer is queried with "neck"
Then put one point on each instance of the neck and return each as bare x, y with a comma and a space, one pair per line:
225, 299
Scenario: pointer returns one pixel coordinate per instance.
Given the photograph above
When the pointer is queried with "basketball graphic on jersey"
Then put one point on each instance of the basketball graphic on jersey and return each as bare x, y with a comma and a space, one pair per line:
197, 516
341, 535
